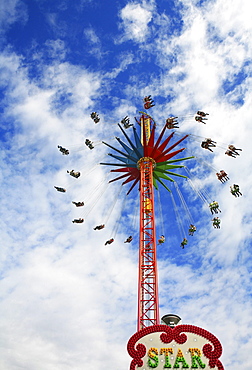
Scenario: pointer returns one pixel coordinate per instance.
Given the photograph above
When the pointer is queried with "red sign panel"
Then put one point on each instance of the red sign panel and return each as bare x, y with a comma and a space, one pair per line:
181, 347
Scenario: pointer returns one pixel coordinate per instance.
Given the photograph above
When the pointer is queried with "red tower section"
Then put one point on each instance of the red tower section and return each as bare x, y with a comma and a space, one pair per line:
148, 311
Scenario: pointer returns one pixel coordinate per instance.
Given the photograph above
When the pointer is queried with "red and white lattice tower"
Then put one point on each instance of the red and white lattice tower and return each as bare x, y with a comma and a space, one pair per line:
148, 307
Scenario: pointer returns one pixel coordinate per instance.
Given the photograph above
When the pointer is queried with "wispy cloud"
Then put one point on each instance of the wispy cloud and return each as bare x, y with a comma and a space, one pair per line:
135, 18
10, 12
62, 289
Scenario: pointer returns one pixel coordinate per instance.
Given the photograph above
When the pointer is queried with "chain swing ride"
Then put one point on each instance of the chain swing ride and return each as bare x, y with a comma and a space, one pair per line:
147, 162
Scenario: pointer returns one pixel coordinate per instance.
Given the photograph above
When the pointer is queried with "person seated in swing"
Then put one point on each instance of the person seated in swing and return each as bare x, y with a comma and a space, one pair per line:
202, 114
233, 149
148, 105
220, 177
216, 222
129, 239
109, 241
95, 117
200, 119
64, 151
62, 190
171, 122
192, 229
99, 227
148, 102
73, 173
211, 206
78, 221
183, 243
205, 145
216, 206
78, 204
235, 190
161, 240
232, 191
224, 175
147, 98
230, 153
89, 144
208, 143
126, 122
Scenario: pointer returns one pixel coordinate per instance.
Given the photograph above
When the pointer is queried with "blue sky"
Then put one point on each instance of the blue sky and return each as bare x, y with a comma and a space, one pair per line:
64, 295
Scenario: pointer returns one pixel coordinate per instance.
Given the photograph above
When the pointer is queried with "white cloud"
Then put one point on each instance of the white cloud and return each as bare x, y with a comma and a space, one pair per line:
95, 49
56, 49
136, 18
41, 291
91, 36
12, 11
66, 298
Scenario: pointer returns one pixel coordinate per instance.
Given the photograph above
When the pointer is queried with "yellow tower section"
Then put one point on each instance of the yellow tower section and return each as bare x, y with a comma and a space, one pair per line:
146, 122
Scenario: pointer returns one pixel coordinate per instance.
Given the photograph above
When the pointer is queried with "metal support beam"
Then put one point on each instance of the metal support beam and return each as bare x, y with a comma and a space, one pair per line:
148, 309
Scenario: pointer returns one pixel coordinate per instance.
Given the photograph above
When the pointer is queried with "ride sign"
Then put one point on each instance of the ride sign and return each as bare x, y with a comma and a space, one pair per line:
182, 347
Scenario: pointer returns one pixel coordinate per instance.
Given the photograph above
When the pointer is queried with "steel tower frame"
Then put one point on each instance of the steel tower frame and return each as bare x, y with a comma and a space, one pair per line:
148, 308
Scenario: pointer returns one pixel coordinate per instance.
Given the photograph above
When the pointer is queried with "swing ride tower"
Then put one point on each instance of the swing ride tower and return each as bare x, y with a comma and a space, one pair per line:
147, 162
144, 345
148, 310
